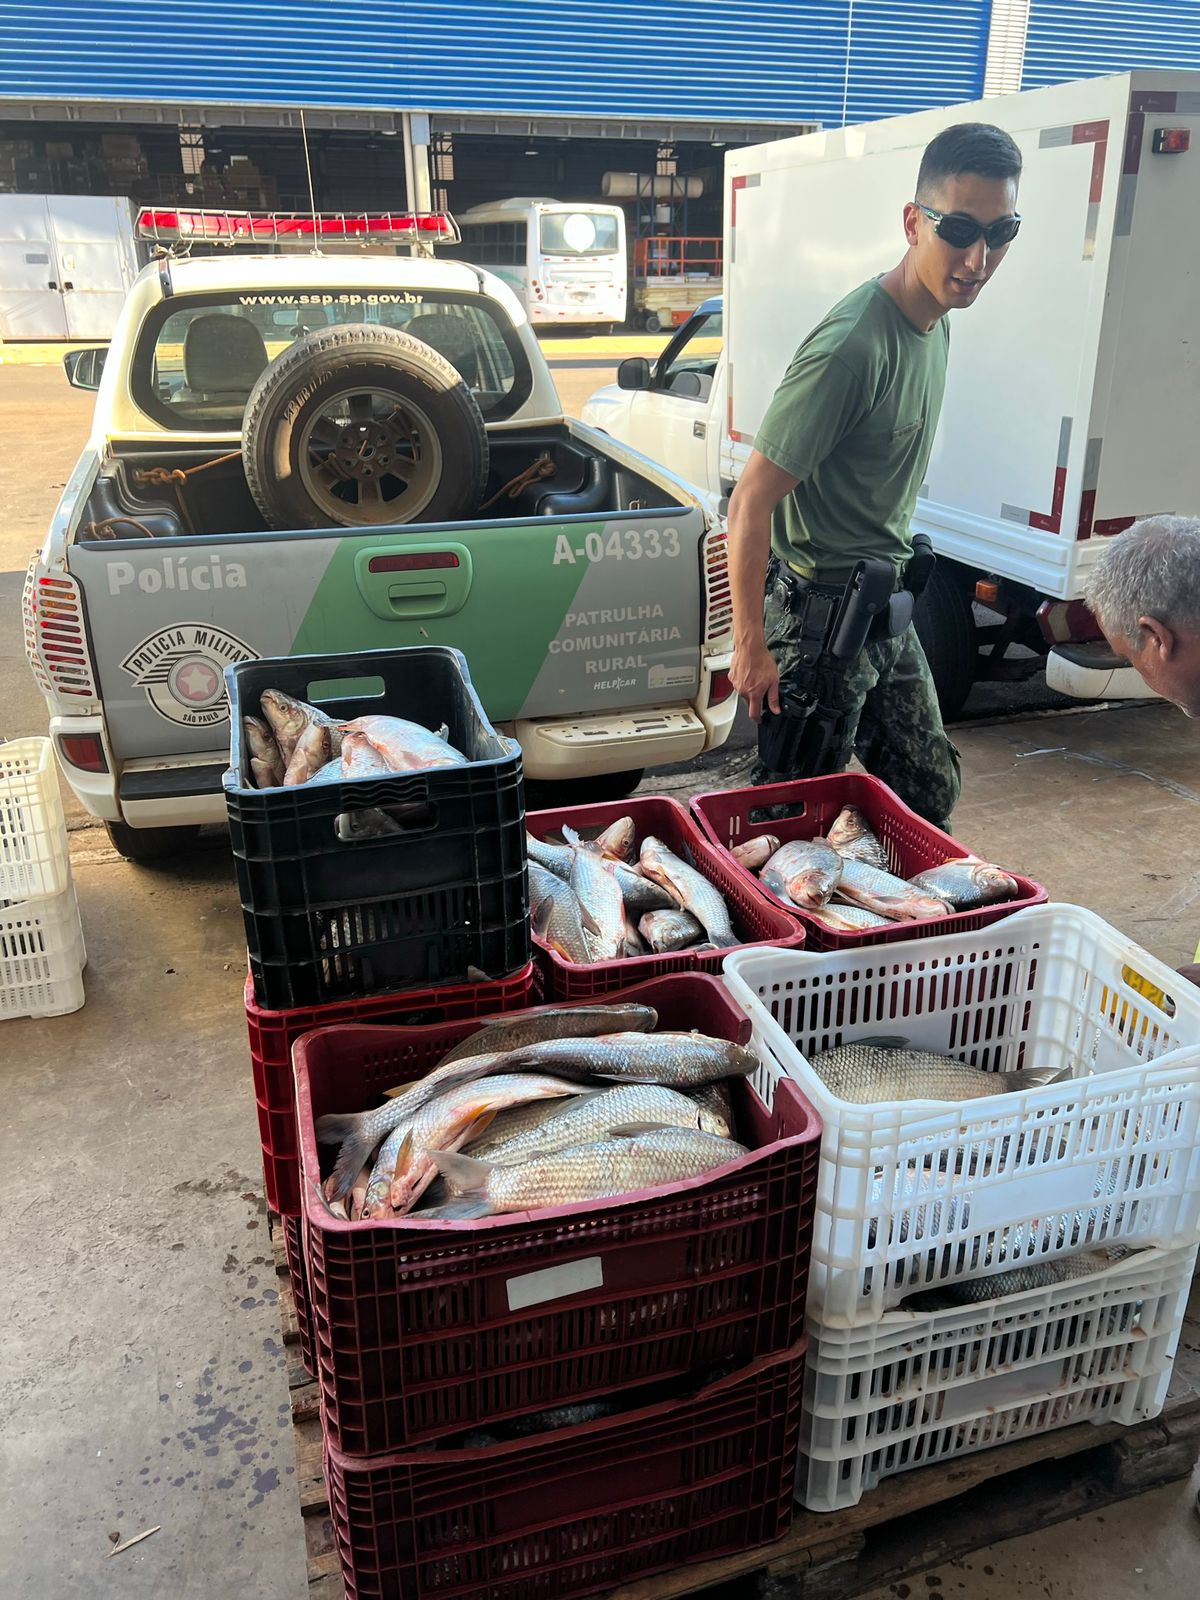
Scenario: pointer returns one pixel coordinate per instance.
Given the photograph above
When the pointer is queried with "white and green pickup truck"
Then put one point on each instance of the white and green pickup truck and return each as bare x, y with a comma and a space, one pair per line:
319, 453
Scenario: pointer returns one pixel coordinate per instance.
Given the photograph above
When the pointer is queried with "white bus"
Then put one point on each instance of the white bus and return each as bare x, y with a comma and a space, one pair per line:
566, 263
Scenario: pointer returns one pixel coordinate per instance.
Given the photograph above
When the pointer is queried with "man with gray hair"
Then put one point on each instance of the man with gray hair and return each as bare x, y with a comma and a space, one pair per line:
1145, 593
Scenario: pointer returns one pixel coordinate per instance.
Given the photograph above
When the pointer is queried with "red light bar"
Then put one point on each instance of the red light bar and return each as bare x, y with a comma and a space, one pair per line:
270, 227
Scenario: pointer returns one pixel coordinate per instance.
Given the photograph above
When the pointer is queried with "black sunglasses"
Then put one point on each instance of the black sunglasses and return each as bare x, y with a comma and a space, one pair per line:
960, 231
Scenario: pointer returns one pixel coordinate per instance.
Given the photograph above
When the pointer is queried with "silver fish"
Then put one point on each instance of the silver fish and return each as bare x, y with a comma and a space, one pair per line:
312, 752
406, 746
753, 854
596, 1116
888, 896
556, 858
1014, 1280
552, 1022
600, 895
677, 1060
260, 742
597, 1171
843, 918
572, 1416
665, 931
717, 1102
448, 1120
878, 1071
289, 718
360, 758
618, 842
515, 1120
967, 883
559, 918
691, 888
632, 944
852, 837
639, 893
804, 872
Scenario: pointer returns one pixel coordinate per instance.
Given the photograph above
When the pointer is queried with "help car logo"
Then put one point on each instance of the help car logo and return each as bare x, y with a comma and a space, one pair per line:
182, 671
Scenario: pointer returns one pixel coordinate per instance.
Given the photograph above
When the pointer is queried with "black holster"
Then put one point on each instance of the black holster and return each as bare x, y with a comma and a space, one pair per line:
807, 738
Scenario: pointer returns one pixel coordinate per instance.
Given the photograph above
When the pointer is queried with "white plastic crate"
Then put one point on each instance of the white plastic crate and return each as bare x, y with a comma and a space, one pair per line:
34, 858
42, 956
916, 1388
917, 1193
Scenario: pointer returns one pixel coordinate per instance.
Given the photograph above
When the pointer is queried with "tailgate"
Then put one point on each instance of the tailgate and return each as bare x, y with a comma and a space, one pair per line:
556, 617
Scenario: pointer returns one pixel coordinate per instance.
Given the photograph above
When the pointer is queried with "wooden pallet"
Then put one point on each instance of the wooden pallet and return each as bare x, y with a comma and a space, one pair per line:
910, 1522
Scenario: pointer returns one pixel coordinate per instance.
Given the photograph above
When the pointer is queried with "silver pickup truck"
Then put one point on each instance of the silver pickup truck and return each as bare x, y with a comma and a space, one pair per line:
316, 453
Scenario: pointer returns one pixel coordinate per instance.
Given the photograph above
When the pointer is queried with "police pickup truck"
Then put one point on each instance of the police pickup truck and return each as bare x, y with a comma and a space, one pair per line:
310, 447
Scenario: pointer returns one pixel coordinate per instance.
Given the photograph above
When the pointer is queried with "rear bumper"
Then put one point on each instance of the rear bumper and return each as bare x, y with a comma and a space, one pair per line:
144, 793
1092, 672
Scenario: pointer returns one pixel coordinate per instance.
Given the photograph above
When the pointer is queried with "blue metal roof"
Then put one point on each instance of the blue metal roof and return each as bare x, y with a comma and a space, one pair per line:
1089, 38
732, 60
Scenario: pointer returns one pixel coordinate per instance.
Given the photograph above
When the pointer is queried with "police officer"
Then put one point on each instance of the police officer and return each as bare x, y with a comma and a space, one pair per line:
841, 456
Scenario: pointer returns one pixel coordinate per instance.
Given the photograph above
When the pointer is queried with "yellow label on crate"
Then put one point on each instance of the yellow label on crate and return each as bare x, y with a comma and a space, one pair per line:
1152, 992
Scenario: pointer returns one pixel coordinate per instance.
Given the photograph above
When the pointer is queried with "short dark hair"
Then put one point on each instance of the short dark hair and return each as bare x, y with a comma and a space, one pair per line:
975, 147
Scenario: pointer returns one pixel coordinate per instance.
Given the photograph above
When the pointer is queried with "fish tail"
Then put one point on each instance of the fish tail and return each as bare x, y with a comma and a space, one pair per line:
355, 1150
1037, 1077
396, 1194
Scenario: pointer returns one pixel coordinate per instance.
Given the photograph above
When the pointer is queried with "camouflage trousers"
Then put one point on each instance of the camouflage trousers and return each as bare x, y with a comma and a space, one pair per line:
893, 722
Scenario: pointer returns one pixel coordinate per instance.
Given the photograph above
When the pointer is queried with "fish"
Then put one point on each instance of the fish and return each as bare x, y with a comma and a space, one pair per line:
260, 741
288, 719
312, 752
844, 918
718, 1102
552, 1022
888, 896
639, 893
878, 1071
967, 883
691, 888
665, 931
559, 919
358, 1193
804, 872
1014, 1280
332, 772
596, 1116
676, 1060
406, 746
852, 837
359, 1132
556, 858
571, 1416
449, 1119
516, 1120
754, 854
368, 823
597, 1171
360, 758
618, 841
600, 896
632, 944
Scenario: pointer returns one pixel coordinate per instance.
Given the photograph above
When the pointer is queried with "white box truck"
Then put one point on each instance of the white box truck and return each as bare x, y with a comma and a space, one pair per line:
1074, 381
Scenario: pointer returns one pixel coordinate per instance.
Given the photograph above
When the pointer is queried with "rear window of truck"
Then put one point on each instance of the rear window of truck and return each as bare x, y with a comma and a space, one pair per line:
197, 359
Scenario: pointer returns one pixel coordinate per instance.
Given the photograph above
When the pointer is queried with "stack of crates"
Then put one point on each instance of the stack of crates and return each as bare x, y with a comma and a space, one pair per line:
671, 1321
375, 900
918, 1198
42, 955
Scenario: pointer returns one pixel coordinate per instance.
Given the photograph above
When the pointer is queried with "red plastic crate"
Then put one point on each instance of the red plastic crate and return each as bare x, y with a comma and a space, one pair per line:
293, 1249
912, 845
423, 1329
272, 1034
580, 1510
758, 918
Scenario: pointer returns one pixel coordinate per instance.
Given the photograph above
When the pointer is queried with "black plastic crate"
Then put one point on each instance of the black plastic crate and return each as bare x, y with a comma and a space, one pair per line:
329, 918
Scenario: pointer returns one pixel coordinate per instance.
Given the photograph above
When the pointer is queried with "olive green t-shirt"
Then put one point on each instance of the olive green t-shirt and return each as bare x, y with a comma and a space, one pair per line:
854, 420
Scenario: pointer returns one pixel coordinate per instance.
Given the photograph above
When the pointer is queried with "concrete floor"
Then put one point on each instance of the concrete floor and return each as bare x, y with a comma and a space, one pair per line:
141, 1377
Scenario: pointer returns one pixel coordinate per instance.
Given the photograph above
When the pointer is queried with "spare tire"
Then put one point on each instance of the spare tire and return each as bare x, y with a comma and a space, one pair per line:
359, 426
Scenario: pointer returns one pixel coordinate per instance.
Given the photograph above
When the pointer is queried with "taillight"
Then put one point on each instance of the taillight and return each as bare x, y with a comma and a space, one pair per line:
719, 688
718, 601
83, 750
55, 637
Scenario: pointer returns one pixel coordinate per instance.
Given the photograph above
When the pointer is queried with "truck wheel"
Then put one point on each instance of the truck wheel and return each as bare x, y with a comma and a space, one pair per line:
148, 844
359, 426
945, 625
654, 323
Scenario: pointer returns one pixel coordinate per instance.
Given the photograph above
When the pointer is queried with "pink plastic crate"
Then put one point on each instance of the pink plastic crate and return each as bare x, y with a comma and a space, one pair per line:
758, 918
728, 817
